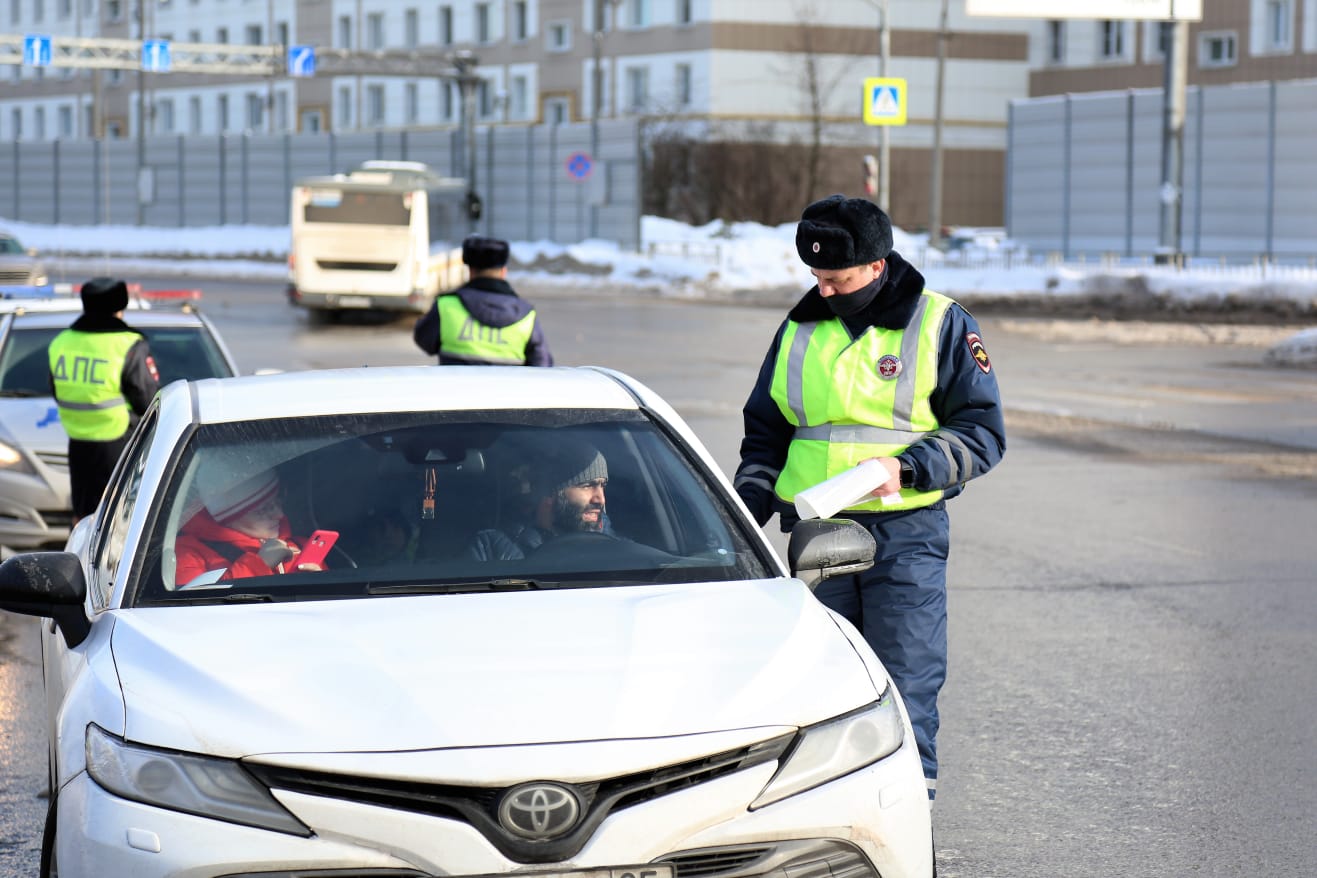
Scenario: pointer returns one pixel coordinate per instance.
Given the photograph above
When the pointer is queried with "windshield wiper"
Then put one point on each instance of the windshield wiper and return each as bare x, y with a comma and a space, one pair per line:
211, 596
456, 587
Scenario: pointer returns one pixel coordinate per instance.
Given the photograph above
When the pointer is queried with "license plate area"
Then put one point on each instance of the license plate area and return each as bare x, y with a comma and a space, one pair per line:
648, 870
353, 302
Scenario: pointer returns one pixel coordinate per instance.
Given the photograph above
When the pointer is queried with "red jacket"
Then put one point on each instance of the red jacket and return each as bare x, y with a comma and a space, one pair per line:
199, 545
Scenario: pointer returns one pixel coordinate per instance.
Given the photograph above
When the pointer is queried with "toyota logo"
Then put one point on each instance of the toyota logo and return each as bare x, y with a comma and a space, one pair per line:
539, 810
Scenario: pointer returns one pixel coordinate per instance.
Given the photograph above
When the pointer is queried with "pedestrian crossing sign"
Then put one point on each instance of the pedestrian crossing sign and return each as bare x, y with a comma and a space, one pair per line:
884, 101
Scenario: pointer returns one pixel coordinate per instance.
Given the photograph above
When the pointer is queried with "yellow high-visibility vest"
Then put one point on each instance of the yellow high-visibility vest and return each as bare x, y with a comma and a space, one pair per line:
854, 399
87, 368
463, 337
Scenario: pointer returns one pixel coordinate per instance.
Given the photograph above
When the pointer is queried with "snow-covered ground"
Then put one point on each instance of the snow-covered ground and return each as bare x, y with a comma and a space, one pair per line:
718, 259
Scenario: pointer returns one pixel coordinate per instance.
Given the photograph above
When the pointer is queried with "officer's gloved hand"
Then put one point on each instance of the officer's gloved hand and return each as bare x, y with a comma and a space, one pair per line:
274, 552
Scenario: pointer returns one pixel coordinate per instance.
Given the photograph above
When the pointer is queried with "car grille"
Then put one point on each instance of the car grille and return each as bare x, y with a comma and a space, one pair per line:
478, 806
14, 275
55, 460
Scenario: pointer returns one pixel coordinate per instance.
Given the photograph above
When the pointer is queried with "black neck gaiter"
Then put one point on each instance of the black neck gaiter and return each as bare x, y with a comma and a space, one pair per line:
850, 304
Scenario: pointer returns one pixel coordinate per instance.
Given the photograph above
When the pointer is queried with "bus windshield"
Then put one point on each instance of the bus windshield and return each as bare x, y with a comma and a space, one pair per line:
362, 208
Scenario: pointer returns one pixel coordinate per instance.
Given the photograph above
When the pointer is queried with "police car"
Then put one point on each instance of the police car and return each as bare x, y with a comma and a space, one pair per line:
660, 697
34, 481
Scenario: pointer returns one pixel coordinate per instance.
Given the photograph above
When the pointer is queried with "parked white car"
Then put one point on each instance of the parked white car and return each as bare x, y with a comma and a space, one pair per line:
660, 699
35, 509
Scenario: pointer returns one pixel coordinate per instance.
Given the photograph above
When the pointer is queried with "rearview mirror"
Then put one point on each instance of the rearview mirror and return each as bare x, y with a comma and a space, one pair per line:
50, 585
821, 548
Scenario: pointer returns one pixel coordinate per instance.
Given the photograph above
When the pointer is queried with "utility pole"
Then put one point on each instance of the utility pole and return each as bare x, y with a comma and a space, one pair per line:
141, 120
269, 80
935, 187
1175, 79
467, 82
884, 131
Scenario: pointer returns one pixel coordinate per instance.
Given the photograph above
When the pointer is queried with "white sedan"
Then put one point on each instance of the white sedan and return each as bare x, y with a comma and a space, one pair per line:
547, 639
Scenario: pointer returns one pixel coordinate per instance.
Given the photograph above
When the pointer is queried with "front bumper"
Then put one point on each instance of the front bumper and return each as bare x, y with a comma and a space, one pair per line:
873, 823
35, 509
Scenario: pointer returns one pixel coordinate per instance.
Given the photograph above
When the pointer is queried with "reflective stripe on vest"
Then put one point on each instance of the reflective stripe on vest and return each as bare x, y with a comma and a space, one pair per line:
87, 368
463, 337
833, 389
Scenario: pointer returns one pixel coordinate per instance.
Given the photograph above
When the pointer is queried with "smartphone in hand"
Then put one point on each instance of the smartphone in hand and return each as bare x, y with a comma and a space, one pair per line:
315, 549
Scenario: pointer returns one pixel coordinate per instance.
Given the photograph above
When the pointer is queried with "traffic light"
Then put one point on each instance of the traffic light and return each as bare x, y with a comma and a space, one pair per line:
474, 207
870, 175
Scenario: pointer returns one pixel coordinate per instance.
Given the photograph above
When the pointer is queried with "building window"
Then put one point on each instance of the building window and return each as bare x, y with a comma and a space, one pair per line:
255, 112
39, 117
375, 106
1279, 23
253, 32
194, 115
222, 114
445, 25
15, 124
1217, 49
637, 13
484, 100
482, 23
683, 89
15, 11
637, 89
411, 29
344, 32
64, 9
113, 10
1111, 40
281, 33
375, 31
194, 36
520, 98
164, 116
411, 103
281, 111
1055, 42
344, 109
558, 36
520, 21
38, 10
65, 122
222, 35
557, 111
685, 11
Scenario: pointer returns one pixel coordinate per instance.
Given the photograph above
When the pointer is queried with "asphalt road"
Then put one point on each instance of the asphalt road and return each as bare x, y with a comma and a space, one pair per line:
1132, 611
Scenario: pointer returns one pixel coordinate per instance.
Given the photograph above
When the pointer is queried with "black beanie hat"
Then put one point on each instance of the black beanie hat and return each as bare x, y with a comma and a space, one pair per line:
479, 252
103, 296
839, 232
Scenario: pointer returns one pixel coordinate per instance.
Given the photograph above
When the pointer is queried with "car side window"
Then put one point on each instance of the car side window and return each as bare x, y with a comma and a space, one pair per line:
114, 524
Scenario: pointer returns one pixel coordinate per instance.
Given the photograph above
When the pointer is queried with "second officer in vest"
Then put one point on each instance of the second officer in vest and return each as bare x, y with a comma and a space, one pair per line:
870, 364
103, 378
484, 323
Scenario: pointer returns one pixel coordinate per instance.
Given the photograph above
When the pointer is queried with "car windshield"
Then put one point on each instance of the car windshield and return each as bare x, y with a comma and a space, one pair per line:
10, 245
179, 351
438, 503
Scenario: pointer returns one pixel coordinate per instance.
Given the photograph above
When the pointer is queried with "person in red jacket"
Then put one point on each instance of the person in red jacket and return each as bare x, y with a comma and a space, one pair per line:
241, 530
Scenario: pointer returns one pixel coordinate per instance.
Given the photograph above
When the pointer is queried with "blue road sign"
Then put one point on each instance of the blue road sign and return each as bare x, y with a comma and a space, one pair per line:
36, 50
579, 165
301, 60
155, 56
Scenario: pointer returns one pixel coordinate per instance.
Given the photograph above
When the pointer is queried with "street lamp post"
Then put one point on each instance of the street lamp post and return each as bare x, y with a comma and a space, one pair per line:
884, 182
467, 82
935, 185
597, 93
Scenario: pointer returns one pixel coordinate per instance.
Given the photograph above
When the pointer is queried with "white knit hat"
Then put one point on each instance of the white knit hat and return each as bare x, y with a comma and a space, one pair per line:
228, 496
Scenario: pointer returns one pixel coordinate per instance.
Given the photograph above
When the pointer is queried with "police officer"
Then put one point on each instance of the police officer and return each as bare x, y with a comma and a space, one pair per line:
870, 364
103, 377
484, 322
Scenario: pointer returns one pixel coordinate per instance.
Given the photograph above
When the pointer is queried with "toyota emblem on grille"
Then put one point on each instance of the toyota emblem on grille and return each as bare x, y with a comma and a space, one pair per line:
539, 810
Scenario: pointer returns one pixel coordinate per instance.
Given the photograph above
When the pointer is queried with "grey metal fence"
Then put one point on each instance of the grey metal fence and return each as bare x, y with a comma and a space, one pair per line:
529, 187
1084, 172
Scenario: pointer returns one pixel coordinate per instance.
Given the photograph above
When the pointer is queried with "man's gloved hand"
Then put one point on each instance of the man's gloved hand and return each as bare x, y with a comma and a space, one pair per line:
274, 552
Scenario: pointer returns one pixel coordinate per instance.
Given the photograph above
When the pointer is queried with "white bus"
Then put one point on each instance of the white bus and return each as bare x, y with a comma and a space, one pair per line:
385, 236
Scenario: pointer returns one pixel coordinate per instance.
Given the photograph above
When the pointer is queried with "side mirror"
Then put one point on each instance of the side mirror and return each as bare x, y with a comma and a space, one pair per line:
821, 548
50, 585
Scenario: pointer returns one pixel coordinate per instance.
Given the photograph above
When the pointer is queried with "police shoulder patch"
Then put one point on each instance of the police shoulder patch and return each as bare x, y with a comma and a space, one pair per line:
978, 352
150, 365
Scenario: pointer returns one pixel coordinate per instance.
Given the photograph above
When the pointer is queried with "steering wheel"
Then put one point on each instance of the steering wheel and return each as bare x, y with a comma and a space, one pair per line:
564, 546
337, 551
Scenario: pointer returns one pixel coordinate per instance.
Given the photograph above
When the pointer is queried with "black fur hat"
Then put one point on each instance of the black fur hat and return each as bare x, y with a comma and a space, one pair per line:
103, 295
839, 232
480, 252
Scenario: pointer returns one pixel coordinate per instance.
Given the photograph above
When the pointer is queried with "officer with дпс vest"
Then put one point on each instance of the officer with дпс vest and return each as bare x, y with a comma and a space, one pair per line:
103, 378
484, 323
870, 364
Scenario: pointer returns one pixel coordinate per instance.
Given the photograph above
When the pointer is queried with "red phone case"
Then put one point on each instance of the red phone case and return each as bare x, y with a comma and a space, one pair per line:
316, 548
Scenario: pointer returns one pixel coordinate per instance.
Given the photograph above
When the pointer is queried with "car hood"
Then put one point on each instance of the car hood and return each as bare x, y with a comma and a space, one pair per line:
442, 671
33, 423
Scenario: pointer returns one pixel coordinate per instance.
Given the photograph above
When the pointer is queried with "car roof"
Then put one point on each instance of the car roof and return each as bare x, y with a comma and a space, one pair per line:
46, 318
376, 389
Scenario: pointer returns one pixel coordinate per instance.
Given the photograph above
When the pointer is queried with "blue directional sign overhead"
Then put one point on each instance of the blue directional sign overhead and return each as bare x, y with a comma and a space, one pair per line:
301, 60
155, 56
36, 50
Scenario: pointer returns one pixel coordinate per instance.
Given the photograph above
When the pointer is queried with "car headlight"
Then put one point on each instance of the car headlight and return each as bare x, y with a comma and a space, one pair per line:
837, 747
217, 788
13, 460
